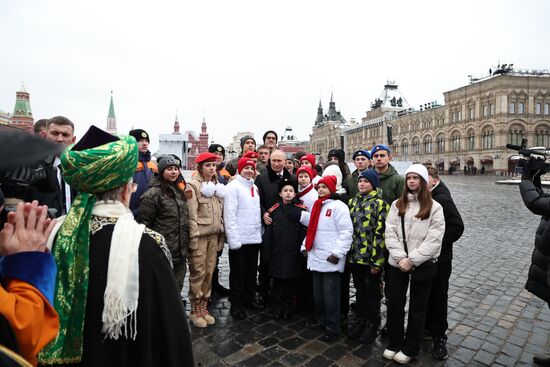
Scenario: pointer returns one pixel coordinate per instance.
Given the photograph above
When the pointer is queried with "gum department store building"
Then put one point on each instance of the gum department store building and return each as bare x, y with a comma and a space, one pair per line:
470, 130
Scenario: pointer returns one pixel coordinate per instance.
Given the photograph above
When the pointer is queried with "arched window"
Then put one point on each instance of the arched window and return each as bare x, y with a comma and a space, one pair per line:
416, 145
515, 134
471, 140
405, 147
428, 145
488, 138
440, 143
542, 136
455, 141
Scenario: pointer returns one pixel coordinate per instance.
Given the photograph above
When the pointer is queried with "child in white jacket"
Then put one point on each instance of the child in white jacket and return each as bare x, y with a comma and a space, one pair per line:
243, 231
414, 232
306, 191
327, 242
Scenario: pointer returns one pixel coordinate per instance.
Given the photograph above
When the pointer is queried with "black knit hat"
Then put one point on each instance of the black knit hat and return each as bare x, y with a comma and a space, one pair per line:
139, 134
270, 131
214, 148
245, 138
338, 153
288, 181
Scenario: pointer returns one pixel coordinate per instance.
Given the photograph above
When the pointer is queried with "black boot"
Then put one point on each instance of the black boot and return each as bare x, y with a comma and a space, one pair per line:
356, 327
541, 360
439, 350
369, 333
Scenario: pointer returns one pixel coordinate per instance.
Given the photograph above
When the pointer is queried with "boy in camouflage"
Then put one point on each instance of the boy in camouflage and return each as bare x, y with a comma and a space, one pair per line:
367, 256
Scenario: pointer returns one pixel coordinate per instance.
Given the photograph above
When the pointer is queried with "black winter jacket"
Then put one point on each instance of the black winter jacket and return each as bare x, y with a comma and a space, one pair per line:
538, 280
284, 238
454, 226
268, 186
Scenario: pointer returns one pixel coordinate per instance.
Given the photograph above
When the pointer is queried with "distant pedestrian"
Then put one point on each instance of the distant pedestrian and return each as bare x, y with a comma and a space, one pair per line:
270, 139
414, 231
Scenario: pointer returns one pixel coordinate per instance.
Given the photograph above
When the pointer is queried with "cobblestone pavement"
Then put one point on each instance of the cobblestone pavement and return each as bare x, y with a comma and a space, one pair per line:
492, 319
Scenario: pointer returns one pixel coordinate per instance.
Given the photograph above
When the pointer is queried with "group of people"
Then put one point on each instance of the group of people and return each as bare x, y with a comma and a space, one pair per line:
296, 238
130, 231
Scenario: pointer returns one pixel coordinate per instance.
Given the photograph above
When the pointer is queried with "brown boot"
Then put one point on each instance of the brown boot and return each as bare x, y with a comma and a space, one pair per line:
204, 310
196, 315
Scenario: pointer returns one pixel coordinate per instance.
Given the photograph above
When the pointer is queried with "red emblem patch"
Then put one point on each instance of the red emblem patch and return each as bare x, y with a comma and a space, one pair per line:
328, 213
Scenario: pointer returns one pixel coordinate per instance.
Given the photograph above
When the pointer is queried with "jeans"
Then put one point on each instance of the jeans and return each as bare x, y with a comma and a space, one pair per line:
368, 293
421, 281
243, 264
326, 298
436, 322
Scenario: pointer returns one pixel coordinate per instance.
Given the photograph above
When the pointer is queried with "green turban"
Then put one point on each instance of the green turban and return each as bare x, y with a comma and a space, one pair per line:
99, 162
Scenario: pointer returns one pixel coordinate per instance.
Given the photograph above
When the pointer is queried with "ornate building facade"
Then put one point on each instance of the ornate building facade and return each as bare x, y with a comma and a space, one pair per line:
22, 114
471, 129
328, 132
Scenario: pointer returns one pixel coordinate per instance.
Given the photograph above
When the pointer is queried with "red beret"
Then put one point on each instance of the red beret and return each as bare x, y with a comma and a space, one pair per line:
251, 154
206, 157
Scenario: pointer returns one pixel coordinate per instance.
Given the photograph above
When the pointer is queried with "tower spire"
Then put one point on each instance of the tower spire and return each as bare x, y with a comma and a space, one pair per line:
22, 113
176, 124
111, 117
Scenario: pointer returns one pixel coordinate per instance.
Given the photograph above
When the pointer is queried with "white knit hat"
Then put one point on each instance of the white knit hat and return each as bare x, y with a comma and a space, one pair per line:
420, 170
334, 170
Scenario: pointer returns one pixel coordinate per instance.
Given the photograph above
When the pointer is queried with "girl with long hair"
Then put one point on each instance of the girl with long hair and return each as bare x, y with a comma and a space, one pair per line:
414, 233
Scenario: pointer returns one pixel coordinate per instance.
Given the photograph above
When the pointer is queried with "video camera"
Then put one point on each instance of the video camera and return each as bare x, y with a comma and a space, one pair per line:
532, 159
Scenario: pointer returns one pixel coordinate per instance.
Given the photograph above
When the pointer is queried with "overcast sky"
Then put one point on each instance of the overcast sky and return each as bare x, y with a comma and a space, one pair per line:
252, 65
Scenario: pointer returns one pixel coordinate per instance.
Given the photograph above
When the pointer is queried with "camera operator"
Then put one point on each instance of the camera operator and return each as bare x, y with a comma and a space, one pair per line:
59, 130
538, 203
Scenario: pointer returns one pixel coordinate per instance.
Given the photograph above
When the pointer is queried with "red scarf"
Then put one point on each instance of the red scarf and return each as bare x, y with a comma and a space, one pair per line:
306, 190
314, 221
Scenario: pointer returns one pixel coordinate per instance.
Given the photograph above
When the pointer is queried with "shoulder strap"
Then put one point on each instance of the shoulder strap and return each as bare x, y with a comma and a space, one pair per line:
403, 230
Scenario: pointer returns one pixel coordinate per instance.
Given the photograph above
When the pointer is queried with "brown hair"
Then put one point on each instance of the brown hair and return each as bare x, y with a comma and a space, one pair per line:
424, 197
40, 125
433, 172
60, 120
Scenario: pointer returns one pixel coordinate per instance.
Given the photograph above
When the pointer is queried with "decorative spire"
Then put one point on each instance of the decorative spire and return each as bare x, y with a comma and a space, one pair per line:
22, 113
176, 124
22, 89
111, 117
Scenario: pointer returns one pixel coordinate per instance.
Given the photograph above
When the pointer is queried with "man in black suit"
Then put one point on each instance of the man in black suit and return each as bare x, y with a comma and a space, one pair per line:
59, 130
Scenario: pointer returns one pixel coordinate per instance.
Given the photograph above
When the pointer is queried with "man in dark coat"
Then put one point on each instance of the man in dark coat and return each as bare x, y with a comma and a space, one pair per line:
538, 203
268, 186
436, 322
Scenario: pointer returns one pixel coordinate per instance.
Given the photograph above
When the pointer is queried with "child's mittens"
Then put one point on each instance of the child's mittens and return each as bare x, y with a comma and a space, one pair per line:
304, 252
333, 259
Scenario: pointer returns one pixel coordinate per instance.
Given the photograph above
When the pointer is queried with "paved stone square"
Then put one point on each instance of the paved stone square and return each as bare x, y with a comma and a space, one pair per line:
493, 321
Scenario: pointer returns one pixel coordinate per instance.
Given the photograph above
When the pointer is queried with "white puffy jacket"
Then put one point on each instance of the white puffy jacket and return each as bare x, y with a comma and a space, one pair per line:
424, 237
309, 198
333, 237
241, 213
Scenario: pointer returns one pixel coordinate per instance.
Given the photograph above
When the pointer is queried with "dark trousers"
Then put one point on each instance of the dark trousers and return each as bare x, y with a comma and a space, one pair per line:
368, 293
284, 292
436, 321
326, 298
421, 281
243, 264
304, 293
264, 279
344, 290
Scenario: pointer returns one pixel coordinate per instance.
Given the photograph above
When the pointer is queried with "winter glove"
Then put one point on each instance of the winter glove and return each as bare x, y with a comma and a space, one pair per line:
304, 252
333, 259
208, 189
